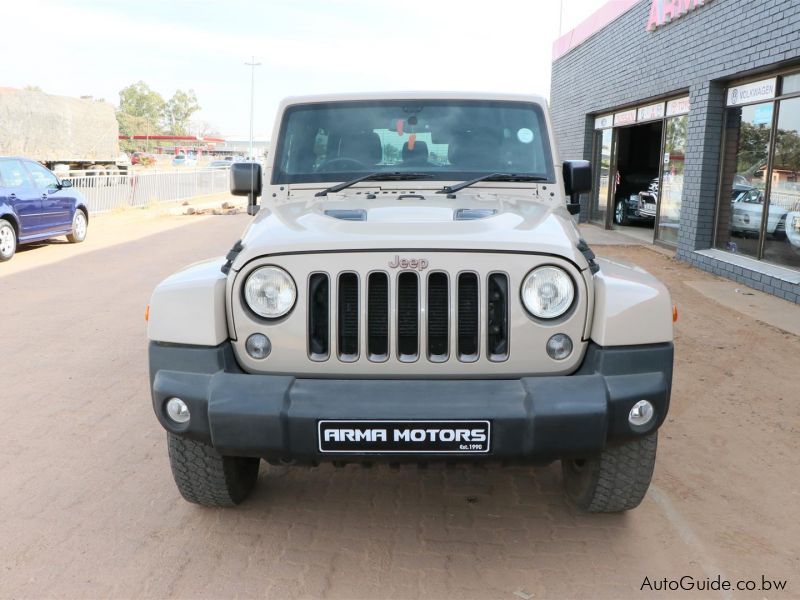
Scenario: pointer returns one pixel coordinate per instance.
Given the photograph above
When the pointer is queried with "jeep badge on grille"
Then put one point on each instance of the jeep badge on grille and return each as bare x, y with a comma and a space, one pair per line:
420, 264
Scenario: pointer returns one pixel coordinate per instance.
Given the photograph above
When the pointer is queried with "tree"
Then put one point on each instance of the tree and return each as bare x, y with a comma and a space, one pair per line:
179, 110
140, 109
204, 129
391, 153
32, 88
753, 149
787, 151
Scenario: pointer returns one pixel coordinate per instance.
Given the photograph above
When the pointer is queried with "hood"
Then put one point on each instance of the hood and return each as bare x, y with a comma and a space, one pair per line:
481, 221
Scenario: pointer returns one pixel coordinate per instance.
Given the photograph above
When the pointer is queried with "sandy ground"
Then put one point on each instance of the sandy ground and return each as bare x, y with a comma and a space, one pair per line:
88, 507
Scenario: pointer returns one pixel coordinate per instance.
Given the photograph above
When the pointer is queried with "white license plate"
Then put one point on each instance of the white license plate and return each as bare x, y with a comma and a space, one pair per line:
404, 437
649, 209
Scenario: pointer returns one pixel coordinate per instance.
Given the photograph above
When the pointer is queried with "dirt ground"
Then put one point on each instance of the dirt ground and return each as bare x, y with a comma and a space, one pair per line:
88, 507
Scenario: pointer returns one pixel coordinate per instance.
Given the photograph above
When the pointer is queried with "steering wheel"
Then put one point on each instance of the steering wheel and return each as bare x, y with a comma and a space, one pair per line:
341, 164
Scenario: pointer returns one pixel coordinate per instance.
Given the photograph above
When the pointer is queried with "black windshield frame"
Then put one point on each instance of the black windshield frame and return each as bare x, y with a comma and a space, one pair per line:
280, 177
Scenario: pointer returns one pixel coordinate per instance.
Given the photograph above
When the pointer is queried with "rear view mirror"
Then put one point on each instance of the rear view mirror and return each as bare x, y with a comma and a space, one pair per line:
577, 181
246, 181
65, 183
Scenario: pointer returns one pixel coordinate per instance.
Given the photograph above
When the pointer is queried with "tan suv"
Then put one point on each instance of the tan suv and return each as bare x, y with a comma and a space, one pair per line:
412, 289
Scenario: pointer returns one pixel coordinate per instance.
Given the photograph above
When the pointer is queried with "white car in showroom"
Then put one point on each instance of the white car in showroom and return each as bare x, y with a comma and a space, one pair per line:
793, 229
747, 203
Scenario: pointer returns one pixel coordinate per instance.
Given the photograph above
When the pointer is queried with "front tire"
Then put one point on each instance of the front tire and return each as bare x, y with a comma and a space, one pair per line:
615, 480
8, 240
80, 225
205, 477
621, 213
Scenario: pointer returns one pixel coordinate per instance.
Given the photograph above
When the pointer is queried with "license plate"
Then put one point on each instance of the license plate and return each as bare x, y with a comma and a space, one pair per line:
647, 208
796, 223
404, 437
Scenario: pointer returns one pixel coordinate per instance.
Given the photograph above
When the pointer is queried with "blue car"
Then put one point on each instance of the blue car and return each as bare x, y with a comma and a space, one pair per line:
35, 206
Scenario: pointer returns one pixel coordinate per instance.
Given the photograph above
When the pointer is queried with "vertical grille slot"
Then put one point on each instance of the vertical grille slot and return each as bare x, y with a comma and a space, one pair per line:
378, 317
497, 317
318, 317
438, 316
348, 316
407, 316
468, 317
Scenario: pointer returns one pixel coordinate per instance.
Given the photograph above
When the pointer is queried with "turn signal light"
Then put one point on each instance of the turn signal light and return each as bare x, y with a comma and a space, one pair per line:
674, 313
147, 312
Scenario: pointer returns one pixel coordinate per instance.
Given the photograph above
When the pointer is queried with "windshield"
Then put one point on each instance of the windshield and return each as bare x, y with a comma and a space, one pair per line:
450, 140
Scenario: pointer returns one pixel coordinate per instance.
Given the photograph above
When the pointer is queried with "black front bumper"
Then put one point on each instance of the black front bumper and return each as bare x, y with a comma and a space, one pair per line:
534, 419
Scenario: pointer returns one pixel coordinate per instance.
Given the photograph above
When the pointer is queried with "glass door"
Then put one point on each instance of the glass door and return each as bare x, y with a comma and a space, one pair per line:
602, 158
671, 192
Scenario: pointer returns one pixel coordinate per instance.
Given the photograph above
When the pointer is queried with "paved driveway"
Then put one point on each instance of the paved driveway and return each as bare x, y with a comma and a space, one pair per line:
88, 507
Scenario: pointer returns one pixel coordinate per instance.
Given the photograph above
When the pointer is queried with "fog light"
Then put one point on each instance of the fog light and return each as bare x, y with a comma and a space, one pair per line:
641, 413
177, 410
258, 346
559, 346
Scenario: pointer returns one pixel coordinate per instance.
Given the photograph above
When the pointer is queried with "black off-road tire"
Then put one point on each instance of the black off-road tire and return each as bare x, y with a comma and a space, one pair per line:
205, 477
615, 480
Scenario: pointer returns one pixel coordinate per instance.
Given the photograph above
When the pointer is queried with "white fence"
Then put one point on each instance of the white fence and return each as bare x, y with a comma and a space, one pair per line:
136, 189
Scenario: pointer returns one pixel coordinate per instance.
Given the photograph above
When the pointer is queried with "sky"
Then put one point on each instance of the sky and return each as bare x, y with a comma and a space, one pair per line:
91, 47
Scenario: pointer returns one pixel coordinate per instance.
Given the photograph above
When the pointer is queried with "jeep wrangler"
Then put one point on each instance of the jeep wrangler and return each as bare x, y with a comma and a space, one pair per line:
412, 288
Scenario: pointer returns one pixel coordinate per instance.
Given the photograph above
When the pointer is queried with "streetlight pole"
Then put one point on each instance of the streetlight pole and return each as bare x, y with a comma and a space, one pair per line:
252, 66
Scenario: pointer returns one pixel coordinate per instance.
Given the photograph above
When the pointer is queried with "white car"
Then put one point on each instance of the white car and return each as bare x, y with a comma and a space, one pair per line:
748, 205
182, 160
412, 289
793, 229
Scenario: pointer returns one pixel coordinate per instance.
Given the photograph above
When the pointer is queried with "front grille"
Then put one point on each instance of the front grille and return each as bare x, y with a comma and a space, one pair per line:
468, 317
378, 317
318, 316
348, 316
497, 317
438, 317
408, 316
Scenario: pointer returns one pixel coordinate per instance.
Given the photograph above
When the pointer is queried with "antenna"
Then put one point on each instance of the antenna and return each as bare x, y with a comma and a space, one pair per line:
252, 66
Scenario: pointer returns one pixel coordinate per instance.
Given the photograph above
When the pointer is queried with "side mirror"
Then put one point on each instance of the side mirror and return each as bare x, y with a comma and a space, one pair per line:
577, 181
64, 183
246, 181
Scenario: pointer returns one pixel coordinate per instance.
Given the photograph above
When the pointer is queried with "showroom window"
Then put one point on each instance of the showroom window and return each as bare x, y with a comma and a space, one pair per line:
758, 212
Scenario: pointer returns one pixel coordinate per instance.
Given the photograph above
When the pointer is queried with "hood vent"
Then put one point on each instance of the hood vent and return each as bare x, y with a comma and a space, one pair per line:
348, 214
471, 214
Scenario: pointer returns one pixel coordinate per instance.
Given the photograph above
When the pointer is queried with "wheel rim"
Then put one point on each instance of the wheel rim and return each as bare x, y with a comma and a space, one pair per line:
80, 225
620, 212
6, 240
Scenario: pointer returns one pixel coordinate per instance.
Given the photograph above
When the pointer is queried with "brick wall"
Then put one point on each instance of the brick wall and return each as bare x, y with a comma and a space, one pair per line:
625, 64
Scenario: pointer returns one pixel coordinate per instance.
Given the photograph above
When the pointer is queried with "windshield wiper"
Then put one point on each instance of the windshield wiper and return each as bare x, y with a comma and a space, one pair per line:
452, 189
377, 176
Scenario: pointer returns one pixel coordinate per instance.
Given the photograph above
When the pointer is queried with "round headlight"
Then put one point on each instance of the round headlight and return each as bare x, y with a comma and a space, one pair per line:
547, 292
270, 292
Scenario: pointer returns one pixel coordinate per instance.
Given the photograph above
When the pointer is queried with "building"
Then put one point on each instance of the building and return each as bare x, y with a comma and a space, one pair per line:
241, 147
695, 105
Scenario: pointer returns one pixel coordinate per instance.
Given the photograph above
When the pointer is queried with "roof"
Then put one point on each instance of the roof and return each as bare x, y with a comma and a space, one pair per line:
410, 95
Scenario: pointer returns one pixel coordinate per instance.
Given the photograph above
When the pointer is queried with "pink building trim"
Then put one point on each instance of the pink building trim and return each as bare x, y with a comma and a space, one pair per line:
599, 19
